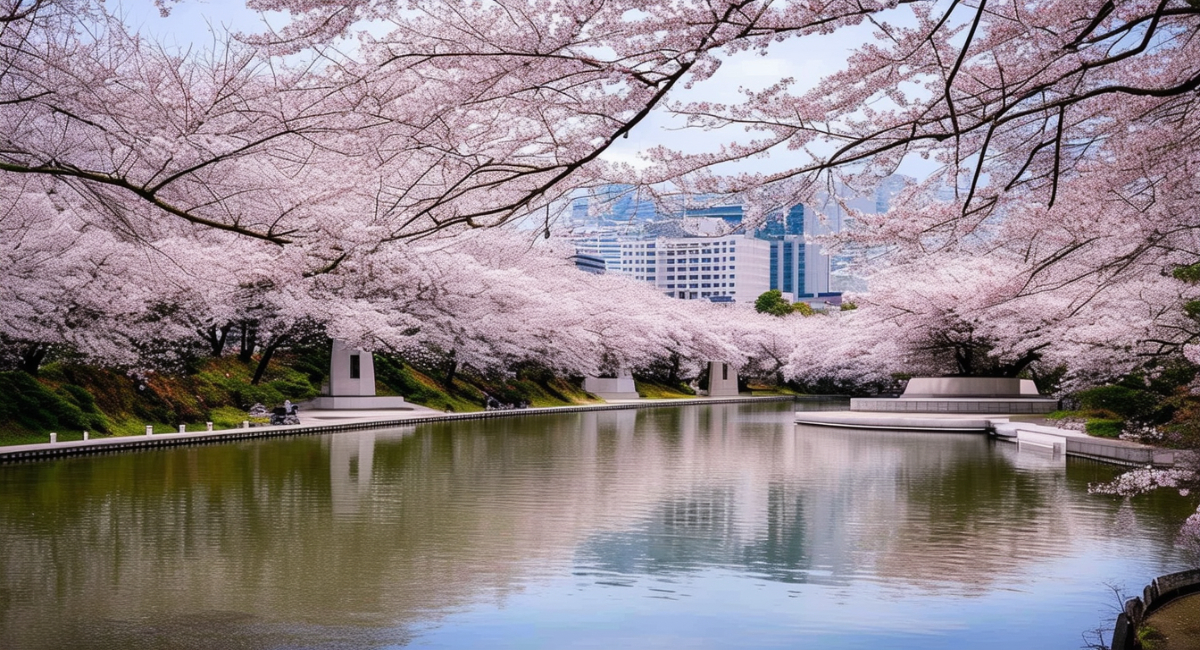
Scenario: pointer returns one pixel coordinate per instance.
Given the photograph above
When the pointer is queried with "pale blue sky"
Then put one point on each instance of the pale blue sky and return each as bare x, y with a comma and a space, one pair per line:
807, 60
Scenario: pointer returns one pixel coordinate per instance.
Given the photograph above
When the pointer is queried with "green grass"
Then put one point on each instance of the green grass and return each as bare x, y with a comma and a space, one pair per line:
653, 390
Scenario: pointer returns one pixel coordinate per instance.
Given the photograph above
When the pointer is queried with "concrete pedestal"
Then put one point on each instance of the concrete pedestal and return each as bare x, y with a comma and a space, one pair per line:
358, 402
619, 387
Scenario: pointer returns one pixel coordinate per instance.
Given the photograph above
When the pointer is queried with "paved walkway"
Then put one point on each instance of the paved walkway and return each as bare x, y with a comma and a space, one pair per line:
1177, 625
312, 424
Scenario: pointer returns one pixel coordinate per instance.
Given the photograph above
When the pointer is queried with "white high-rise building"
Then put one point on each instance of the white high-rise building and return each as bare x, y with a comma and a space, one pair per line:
722, 269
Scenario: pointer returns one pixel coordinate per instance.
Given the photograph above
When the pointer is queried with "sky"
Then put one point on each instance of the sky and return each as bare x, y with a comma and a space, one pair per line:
807, 60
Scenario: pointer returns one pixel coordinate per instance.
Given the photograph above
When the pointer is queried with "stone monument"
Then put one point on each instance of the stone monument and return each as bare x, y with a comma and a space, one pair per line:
722, 380
351, 384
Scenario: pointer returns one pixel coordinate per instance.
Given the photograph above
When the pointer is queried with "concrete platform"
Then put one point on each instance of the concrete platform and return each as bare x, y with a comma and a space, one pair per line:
1026, 435
895, 421
313, 415
359, 403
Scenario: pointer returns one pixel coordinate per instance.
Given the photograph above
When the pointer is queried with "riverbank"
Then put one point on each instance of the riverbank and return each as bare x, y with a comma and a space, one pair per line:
40, 451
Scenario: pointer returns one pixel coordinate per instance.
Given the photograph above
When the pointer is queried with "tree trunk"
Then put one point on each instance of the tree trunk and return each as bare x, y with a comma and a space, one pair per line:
451, 370
964, 359
249, 334
268, 352
32, 358
1015, 368
216, 338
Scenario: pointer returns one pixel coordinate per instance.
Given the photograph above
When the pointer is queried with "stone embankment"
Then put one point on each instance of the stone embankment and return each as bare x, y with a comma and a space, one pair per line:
1003, 407
1081, 445
1024, 433
1163, 609
379, 420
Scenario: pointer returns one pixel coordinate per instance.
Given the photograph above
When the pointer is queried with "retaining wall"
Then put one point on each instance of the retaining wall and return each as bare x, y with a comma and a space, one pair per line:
1163, 590
959, 405
1120, 454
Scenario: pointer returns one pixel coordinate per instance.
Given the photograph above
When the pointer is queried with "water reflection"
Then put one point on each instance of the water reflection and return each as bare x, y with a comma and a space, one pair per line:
423, 536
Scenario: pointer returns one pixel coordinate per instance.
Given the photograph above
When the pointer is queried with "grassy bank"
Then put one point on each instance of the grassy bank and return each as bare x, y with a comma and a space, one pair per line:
70, 398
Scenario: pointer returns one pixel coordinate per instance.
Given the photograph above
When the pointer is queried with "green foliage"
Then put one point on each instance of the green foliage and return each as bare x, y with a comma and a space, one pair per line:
803, 308
1105, 428
848, 306
1122, 401
226, 382
1190, 273
772, 302
1192, 308
29, 406
1148, 638
69, 398
393, 372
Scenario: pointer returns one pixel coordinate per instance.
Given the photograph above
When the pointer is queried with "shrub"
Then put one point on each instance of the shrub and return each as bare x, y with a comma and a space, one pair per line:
1105, 428
1127, 403
29, 404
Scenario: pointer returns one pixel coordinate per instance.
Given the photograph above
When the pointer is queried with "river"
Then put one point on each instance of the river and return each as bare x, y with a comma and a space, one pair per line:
703, 526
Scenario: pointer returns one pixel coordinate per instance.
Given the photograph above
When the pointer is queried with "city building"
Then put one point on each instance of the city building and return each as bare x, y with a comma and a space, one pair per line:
590, 263
787, 265
730, 214
720, 269
601, 244
638, 242
612, 206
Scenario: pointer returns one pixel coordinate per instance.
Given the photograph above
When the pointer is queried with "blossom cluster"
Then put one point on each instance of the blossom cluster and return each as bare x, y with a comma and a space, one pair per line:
1142, 480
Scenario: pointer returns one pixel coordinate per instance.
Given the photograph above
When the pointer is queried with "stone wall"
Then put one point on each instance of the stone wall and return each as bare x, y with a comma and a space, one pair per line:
1163, 590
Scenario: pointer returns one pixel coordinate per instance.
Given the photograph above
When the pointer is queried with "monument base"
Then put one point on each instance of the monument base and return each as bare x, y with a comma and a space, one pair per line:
1012, 405
611, 387
961, 395
358, 403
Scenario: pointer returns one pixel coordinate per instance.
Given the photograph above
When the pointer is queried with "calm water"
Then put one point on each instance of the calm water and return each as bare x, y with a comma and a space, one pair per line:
719, 526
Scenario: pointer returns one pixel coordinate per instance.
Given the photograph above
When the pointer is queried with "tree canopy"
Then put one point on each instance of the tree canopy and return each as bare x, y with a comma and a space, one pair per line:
329, 173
